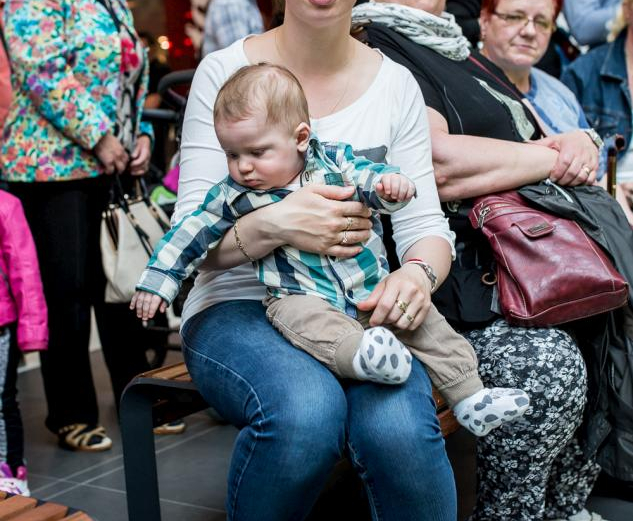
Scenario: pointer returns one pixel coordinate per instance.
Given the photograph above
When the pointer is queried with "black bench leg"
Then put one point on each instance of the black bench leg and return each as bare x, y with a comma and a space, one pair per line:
139, 458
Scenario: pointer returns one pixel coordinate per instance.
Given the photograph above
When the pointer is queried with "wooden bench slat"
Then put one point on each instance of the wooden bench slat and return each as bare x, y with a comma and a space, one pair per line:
44, 512
168, 373
78, 516
14, 506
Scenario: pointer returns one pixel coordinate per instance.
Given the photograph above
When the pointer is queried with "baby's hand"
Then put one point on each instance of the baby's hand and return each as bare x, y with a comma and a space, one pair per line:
146, 304
395, 188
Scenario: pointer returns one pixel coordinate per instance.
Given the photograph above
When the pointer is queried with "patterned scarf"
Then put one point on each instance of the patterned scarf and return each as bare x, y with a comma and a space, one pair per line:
439, 33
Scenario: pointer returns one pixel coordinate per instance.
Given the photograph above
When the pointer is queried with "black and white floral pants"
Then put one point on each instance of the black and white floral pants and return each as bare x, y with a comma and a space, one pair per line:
533, 469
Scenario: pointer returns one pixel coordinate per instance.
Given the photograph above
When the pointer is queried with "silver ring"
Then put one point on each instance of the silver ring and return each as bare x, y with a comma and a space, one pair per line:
586, 170
350, 221
408, 317
344, 239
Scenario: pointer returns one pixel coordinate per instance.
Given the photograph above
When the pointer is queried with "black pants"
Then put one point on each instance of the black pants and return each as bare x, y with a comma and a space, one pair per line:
65, 217
11, 431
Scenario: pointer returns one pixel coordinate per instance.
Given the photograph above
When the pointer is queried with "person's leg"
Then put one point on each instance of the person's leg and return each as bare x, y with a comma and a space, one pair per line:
571, 480
11, 409
515, 461
452, 365
57, 215
396, 444
291, 410
338, 340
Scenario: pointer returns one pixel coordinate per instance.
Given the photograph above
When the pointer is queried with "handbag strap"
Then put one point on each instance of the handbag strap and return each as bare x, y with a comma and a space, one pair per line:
511, 90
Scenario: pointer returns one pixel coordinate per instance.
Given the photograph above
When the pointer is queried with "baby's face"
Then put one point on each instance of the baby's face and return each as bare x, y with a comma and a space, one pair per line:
260, 156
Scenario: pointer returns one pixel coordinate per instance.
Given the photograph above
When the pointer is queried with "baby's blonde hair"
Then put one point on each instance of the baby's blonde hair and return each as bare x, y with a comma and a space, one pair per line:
618, 24
262, 87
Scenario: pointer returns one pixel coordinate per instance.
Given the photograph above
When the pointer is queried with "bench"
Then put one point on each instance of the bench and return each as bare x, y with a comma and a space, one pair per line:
20, 508
161, 396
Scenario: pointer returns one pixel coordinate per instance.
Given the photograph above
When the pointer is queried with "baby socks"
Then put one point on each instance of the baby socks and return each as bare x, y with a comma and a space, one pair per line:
382, 358
489, 408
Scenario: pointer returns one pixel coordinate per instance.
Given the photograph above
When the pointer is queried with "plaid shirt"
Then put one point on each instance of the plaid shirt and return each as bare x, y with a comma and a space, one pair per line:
286, 270
229, 20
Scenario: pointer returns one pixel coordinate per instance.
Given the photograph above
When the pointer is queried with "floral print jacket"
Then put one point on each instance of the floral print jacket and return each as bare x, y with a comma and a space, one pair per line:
66, 56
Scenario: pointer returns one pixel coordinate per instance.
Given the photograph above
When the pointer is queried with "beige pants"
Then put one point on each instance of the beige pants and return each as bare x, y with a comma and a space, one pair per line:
332, 337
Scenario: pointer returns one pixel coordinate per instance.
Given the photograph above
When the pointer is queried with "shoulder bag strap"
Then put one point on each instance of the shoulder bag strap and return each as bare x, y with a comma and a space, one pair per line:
510, 90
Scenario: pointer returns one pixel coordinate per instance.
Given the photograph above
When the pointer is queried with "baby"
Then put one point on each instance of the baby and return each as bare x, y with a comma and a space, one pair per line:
261, 120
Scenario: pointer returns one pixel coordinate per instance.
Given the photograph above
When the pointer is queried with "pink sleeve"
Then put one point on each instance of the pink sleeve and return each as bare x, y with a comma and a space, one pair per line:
24, 278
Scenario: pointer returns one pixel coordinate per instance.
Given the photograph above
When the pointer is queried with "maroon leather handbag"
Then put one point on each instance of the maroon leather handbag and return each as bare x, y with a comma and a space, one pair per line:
548, 270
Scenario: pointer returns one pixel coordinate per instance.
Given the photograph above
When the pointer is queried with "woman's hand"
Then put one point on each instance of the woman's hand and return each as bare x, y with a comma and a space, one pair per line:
577, 158
409, 288
316, 218
112, 155
141, 155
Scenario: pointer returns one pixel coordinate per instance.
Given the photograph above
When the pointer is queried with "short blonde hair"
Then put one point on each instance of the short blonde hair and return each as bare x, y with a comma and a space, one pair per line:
262, 87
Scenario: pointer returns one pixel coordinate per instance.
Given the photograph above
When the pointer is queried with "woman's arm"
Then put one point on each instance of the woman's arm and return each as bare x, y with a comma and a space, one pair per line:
468, 166
310, 219
35, 31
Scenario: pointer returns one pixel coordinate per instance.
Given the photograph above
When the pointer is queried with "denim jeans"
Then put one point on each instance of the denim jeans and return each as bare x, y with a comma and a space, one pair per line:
296, 420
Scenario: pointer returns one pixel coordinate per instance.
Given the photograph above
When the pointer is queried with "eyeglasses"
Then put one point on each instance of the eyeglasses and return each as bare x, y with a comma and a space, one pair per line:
521, 20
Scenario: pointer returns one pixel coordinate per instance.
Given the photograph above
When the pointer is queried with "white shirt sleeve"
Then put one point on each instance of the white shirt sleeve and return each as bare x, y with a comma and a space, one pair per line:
202, 160
411, 151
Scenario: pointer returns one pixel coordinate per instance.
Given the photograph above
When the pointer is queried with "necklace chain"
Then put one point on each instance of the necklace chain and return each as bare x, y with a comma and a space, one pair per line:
347, 83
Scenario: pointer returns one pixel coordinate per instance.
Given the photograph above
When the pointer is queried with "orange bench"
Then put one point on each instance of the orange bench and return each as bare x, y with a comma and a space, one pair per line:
161, 396
20, 508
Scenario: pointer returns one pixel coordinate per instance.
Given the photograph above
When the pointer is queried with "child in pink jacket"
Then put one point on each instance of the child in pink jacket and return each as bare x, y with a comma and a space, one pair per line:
23, 327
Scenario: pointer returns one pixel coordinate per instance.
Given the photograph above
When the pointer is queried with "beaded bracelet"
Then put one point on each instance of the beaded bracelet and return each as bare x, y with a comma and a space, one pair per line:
240, 244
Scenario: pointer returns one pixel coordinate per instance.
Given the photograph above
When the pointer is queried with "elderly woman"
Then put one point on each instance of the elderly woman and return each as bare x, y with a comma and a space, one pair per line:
600, 80
514, 36
533, 469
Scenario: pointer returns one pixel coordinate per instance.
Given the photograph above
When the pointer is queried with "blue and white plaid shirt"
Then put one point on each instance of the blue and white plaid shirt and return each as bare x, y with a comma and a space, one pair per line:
286, 270
229, 20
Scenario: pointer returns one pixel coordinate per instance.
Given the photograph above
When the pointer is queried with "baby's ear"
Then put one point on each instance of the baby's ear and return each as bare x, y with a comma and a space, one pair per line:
302, 136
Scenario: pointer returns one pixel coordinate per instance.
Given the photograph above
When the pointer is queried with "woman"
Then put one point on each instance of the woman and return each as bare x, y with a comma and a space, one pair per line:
514, 36
600, 81
296, 418
79, 81
533, 469
515, 44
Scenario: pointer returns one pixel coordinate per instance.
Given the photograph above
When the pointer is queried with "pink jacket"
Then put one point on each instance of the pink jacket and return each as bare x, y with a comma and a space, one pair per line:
21, 294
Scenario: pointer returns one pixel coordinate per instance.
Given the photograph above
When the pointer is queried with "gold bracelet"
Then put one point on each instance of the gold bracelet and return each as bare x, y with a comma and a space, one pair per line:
240, 244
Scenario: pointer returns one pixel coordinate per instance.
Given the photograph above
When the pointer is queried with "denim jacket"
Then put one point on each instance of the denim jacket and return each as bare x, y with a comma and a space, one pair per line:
603, 95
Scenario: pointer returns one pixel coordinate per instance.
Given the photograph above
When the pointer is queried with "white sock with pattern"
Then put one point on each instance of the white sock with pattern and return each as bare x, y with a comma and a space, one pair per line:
382, 358
490, 408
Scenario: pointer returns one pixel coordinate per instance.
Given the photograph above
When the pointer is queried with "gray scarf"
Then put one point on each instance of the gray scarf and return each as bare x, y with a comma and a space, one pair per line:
441, 34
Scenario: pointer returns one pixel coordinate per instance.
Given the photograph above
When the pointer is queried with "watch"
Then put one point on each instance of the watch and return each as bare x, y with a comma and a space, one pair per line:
594, 136
428, 269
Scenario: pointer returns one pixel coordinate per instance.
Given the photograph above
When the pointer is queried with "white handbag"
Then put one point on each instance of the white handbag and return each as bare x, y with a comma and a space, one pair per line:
131, 227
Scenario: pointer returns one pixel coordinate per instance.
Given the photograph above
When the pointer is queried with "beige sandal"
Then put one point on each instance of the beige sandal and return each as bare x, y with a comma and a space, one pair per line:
83, 437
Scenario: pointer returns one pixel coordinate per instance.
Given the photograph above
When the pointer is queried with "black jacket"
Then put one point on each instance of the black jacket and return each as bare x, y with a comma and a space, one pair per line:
605, 340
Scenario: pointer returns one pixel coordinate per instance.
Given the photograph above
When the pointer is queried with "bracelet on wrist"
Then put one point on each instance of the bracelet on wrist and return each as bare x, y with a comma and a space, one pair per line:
240, 244
428, 269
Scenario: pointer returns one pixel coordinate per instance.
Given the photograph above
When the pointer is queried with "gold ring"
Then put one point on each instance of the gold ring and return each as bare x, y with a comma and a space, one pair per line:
344, 239
402, 305
408, 317
350, 221
586, 170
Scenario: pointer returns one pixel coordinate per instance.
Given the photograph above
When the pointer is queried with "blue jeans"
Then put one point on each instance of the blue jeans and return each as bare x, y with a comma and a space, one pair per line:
296, 420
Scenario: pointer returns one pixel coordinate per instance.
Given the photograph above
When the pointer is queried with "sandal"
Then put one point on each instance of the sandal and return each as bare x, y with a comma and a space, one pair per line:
175, 427
82, 437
